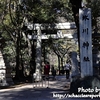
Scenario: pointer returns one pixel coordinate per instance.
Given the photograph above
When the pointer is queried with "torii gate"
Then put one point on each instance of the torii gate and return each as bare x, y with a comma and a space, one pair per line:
85, 41
40, 36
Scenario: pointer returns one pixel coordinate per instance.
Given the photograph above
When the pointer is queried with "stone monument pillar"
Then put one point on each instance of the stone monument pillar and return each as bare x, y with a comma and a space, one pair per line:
2, 71
75, 67
85, 42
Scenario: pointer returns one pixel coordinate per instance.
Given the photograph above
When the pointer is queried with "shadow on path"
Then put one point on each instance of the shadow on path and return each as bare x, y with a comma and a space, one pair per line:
27, 92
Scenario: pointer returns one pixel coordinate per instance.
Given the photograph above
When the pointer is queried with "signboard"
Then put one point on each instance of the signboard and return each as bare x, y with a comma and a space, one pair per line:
85, 42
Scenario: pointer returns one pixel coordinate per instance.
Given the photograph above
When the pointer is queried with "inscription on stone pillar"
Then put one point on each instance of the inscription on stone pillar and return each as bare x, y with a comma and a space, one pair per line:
85, 42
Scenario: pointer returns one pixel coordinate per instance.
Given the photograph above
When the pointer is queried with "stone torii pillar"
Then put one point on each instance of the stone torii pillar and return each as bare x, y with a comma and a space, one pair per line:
38, 72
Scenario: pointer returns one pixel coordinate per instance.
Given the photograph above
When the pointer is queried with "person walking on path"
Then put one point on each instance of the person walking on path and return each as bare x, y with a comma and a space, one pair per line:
53, 72
67, 69
46, 69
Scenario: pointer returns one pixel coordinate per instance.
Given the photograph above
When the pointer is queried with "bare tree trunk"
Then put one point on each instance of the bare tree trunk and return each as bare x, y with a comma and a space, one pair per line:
62, 62
76, 4
59, 64
33, 56
17, 57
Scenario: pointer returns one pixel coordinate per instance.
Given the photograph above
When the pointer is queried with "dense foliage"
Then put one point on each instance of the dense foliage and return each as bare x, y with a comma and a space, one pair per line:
19, 50
95, 6
16, 47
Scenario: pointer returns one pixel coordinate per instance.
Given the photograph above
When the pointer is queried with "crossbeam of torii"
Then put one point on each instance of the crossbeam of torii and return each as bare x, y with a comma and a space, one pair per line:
59, 35
39, 36
57, 26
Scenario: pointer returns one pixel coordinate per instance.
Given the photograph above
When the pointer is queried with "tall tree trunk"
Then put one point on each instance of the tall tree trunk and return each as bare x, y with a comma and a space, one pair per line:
59, 64
62, 62
76, 4
17, 56
33, 56
21, 68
